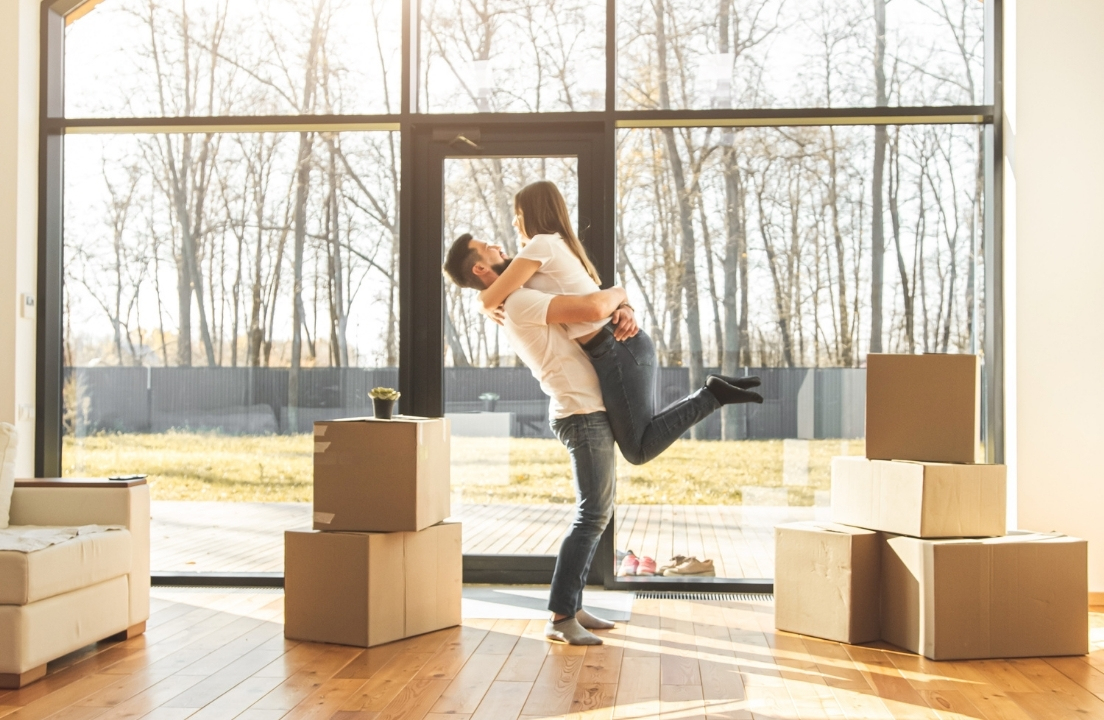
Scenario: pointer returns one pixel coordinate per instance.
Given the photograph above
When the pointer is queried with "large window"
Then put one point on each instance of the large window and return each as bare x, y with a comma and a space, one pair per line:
246, 203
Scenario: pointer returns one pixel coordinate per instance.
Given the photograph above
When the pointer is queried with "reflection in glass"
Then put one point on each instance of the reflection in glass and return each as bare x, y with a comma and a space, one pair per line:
150, 58
777, 54
223, 292
750, 252
511, 56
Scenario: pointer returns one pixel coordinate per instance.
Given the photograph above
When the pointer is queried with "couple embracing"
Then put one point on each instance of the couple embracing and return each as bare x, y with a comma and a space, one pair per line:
598, 368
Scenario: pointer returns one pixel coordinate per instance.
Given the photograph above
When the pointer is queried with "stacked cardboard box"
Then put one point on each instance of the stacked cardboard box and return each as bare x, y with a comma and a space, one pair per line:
381, 563
917, 553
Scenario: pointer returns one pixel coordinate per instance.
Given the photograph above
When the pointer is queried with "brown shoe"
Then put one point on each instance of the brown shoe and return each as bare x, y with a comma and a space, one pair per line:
692, 567
671, 564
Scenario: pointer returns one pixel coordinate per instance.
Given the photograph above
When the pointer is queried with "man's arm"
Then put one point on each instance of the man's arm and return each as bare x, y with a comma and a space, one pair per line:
585, 308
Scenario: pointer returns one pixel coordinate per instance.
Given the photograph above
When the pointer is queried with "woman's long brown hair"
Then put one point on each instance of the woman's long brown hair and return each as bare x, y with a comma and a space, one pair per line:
541, 210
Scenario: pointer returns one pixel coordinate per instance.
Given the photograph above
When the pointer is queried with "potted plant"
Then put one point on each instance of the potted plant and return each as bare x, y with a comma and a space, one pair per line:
489, 399
383, 401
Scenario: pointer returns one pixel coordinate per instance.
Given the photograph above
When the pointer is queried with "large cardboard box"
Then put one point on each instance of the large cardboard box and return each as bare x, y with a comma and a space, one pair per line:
1024, 595
923, 407
381, 475
365, 589
928, 500
827, 581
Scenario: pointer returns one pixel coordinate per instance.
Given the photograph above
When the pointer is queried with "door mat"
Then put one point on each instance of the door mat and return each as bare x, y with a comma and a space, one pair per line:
514, 602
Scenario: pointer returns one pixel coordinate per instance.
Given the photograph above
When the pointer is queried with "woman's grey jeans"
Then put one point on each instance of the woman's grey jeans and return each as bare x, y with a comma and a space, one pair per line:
626, 372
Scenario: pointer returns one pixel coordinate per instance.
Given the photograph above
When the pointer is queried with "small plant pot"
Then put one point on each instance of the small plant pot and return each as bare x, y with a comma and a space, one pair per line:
382, 409
489, 405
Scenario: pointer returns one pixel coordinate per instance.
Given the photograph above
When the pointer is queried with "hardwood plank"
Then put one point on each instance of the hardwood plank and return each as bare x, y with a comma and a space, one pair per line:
1080, 672
385, 685
601, 665
528, 655
300, 684
415, 700
555, 685
594, 701
638, 691
470, 684
503, 701
325, 701
888, 684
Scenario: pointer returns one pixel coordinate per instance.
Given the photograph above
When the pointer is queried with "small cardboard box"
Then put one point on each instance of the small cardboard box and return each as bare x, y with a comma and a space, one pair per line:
927, 500
381, 475
365, 589
923, 407
1023, 595
826, 581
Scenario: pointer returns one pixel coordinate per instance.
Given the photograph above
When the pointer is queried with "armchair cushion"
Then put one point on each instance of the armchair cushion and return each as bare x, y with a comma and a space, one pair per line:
27, 577
9, 440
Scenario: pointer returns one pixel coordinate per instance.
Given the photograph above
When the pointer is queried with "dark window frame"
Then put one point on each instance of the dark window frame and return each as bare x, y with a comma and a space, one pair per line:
418, 259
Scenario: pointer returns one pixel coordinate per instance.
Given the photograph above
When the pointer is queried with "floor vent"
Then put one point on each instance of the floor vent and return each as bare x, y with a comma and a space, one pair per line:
718, 596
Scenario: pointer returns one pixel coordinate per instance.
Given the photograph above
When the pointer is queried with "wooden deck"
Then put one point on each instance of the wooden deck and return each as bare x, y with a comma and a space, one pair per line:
248, 537
219, 655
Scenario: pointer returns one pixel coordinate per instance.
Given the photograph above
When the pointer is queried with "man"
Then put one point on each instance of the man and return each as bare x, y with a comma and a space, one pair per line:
531, 321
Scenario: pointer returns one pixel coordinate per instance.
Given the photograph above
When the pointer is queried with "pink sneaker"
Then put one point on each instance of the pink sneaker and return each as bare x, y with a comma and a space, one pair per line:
647, 566
628, 566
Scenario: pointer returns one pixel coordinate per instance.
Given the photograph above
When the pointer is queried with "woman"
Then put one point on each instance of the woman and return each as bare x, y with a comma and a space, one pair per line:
553, 260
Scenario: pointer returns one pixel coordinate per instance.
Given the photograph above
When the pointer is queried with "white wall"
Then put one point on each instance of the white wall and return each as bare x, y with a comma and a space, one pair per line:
1055, 276
18, 221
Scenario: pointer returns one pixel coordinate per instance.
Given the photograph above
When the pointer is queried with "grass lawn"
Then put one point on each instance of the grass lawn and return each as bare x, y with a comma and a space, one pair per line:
278, 468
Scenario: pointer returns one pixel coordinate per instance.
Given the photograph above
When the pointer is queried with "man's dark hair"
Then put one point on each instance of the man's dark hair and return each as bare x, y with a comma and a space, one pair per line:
460, 260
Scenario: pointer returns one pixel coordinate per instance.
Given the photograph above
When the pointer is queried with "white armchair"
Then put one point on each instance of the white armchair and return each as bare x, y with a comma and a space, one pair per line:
94, 587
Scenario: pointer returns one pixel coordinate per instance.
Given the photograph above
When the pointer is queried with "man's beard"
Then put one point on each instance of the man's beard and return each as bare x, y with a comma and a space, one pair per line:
501, 267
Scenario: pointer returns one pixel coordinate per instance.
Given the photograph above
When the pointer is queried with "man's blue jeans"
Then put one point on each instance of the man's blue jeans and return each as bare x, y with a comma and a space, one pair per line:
626, 372
589, 440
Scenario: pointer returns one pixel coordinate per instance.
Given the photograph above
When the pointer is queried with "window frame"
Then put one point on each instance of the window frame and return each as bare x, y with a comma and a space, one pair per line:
416, 255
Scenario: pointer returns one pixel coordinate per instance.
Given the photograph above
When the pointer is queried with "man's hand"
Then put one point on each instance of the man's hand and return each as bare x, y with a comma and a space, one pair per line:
624, 321
496, 314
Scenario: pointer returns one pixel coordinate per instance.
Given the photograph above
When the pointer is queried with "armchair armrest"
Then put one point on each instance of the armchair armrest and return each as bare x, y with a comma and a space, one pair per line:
76, 502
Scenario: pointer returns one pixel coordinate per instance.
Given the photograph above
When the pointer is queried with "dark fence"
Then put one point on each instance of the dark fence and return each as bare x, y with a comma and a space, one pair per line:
799, 402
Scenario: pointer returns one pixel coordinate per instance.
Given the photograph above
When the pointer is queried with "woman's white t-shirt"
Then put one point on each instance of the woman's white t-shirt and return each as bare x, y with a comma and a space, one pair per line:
560, 273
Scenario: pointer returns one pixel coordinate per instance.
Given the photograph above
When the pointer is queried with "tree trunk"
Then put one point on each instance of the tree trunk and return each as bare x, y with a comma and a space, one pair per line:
846, 357
877, 234
302, 192
689, 284
733, 417
907, 295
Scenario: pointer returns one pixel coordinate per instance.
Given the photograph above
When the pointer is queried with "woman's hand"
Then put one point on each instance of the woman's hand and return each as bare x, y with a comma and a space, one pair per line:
624, 320
496, 314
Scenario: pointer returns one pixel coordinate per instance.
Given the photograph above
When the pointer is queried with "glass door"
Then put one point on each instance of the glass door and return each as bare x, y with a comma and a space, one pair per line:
511, 477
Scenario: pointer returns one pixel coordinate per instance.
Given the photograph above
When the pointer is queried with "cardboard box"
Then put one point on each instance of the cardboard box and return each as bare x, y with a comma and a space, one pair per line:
826, 581
1024, 595
923, 407
381, 475
927, 500
365, 589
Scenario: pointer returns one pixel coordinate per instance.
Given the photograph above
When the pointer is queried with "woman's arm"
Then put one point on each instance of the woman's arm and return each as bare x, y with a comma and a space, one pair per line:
511, 279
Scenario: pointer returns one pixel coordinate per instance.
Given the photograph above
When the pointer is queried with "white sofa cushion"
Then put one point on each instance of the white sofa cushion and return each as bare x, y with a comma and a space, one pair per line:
43, 631
9, 440
83, 561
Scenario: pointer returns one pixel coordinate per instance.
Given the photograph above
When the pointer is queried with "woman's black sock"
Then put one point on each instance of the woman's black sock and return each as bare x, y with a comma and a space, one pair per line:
728, 394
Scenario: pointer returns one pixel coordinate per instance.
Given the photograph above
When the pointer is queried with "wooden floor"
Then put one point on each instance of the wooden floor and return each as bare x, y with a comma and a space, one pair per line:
248, 537
222, 655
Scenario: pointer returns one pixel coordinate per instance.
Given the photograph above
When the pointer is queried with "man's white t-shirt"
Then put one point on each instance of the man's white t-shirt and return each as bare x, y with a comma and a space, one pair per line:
560, 273
556, 361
